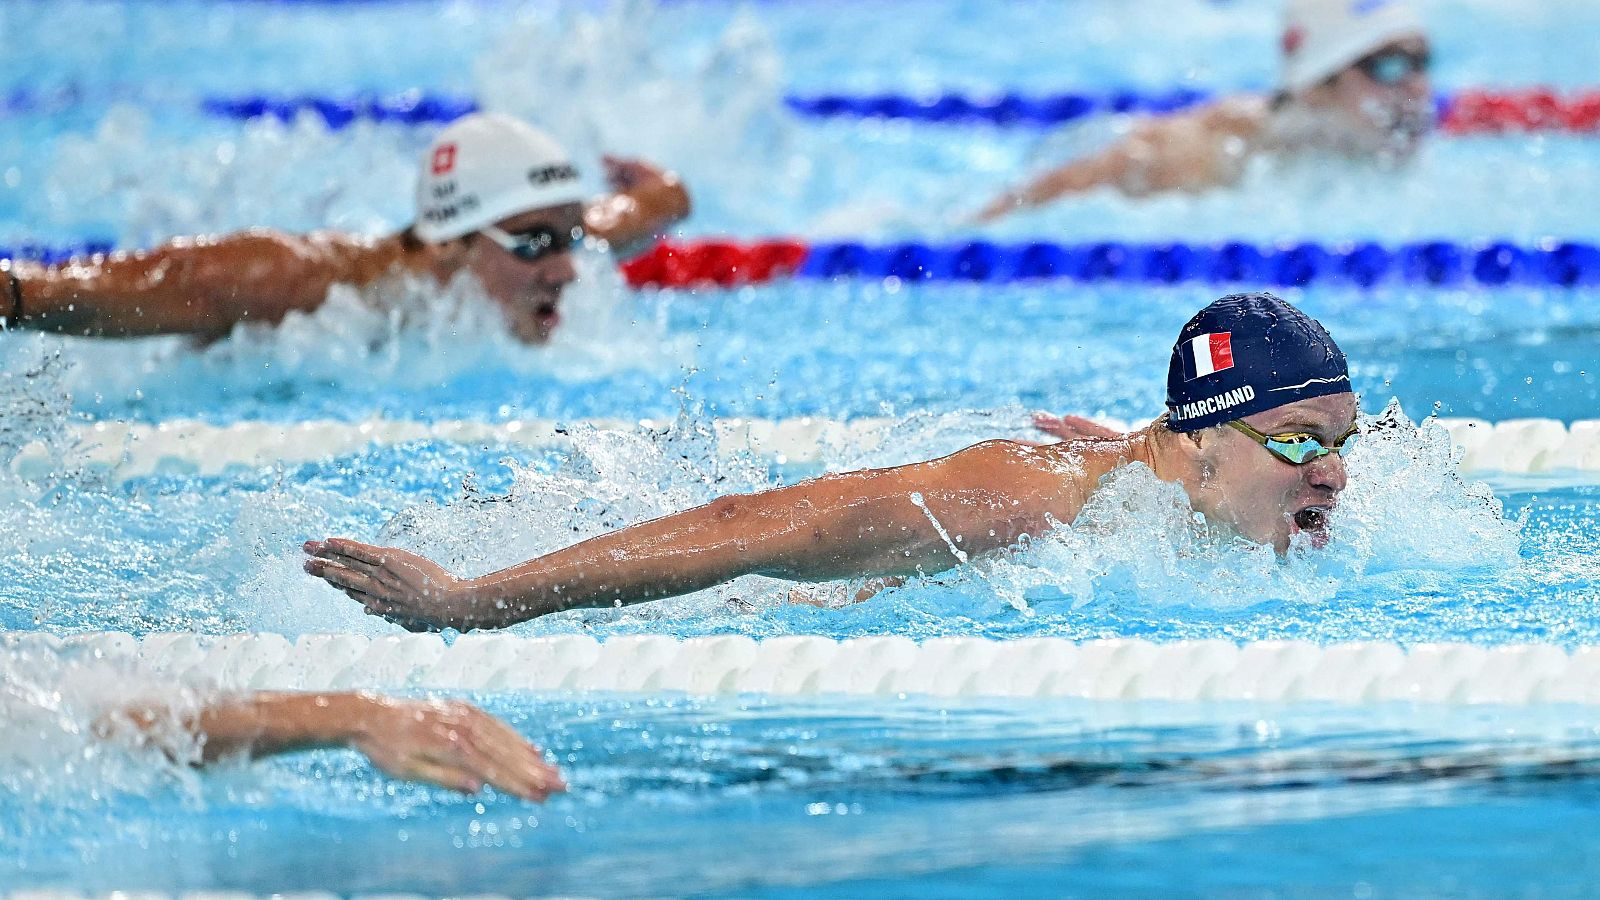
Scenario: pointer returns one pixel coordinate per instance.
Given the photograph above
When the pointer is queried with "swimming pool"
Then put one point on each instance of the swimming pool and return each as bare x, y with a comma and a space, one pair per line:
773, 794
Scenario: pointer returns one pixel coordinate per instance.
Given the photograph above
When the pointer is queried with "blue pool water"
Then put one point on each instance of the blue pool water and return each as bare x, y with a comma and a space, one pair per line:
750, 796
850, 799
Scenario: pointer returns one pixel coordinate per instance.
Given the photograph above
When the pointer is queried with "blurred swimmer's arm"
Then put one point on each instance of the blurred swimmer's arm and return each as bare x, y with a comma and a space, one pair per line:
201, 286
886, 522
645, 201
1107, 168
1191, 151
450, 744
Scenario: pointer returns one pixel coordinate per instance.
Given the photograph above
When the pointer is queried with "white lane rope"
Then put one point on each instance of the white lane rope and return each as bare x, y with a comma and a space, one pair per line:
886, 666
130, 450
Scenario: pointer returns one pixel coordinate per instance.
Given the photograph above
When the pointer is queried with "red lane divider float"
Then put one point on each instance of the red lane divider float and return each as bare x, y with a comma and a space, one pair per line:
722, 263
1509, 112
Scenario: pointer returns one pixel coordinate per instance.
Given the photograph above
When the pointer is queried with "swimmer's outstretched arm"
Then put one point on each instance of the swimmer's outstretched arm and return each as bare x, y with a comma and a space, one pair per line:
1109, 168
888, 522
1184, 152
450, 744
196, 286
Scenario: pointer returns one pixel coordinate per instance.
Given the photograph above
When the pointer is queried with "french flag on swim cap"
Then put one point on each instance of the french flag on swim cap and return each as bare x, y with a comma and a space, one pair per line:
1207, 354
1247, 353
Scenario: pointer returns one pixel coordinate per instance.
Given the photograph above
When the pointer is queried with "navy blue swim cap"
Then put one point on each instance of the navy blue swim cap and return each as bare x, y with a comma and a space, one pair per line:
1247, 353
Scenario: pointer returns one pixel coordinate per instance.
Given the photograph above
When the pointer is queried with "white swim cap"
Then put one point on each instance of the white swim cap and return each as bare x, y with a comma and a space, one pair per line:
486, 167
1320, 37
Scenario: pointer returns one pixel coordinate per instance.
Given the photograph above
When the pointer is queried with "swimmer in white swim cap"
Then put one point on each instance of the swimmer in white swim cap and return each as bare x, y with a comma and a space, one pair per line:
1259, 415
496, 198
1353, 81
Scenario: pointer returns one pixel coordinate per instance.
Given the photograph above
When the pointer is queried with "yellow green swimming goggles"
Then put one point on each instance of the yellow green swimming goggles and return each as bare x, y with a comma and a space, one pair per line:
1297, 448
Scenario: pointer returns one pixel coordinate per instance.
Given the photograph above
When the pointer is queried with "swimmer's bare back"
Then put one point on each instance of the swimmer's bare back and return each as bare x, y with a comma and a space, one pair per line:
920, 518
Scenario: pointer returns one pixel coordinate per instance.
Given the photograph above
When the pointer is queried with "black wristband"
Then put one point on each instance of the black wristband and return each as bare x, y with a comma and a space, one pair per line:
15, 316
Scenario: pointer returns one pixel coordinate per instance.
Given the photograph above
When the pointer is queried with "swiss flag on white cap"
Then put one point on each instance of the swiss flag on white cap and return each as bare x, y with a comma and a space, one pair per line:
1207, 354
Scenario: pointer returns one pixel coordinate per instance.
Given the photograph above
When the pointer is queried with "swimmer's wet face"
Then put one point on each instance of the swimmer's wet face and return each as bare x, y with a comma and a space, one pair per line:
1263, 498
1383, 102
527, 285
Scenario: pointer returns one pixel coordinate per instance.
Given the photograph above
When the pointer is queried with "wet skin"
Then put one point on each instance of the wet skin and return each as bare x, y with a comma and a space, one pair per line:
528, 294
919, 518
1367, 117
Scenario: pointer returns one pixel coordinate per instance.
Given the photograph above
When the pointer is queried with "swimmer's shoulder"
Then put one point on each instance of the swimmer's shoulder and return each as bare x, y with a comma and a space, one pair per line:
1231, 117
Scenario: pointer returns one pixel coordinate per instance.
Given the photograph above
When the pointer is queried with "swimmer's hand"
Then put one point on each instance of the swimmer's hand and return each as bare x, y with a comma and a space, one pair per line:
623, 174
454, 745
645, 200
450, 744
1074, 428
411, 591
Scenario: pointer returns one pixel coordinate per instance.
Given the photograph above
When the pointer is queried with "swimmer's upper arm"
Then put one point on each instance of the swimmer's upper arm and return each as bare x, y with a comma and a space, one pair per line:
190, 286
990, 495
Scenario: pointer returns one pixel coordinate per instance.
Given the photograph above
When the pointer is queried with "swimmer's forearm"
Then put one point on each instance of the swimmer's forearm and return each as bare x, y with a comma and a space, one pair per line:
888, 522
1108, 168
268, 723
639, 213
842, 526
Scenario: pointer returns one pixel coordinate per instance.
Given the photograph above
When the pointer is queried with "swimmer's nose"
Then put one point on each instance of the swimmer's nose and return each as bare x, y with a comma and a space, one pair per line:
1328, 473
559, 270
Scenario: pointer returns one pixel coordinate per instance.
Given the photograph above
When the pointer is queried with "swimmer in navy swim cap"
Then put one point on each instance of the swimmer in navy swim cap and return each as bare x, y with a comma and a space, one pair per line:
1353, 82
498, 202
1259, 410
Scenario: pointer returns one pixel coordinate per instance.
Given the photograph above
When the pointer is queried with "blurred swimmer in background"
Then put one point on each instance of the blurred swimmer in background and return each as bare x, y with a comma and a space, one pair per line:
496, 199
1354, 82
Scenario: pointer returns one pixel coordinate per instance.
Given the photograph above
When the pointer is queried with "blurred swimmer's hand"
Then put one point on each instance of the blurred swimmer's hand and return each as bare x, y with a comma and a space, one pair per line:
645, 200
450, 744
454, 745
411, 591
1073, 428
624, 174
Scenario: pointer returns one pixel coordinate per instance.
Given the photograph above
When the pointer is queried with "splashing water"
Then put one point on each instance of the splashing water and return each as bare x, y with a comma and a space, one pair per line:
60, 738
1138, 542
626, 84
402, 333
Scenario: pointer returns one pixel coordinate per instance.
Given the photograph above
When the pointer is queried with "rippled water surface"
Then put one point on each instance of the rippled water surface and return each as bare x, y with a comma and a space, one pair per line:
103, 135
876, 798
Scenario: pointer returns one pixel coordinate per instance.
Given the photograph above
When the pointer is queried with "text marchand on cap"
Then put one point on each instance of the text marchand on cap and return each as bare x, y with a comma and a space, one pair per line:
1224, 401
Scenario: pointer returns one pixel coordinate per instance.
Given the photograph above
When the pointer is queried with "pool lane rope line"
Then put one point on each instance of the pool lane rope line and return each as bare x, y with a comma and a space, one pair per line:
1472, 111
715, 262
879, 666
124, 450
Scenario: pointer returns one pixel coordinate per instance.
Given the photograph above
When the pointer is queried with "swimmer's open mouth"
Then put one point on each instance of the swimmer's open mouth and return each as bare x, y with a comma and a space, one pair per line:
1312, 518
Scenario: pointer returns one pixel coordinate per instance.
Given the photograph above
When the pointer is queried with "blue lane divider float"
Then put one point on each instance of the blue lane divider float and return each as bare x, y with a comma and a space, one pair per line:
1003, 109
50, 254
419, 107
1552, 263
411, 107
1366, 264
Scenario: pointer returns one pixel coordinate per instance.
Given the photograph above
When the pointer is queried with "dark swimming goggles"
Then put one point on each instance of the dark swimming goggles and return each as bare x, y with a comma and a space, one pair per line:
1390, 67
537, 242
1298, 448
